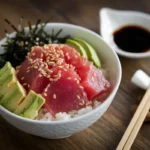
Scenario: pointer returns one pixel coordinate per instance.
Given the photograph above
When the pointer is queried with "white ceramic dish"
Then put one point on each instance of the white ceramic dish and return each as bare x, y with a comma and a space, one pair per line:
62, 129
111, 19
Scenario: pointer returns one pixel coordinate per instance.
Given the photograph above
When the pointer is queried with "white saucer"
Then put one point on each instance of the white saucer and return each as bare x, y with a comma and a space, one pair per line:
111, 19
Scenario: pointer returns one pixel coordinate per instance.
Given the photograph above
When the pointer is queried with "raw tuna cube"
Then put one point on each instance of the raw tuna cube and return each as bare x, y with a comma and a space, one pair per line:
93, 81
65, 94
31, 78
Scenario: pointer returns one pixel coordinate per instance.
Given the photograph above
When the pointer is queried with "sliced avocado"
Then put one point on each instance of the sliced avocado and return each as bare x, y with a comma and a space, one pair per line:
7, 78
31, 111
91, 53
77, 46
13, 97
12, 92
26, 103
5, 68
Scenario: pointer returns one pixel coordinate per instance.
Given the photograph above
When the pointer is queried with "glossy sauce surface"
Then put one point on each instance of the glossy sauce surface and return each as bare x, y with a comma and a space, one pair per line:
132, 38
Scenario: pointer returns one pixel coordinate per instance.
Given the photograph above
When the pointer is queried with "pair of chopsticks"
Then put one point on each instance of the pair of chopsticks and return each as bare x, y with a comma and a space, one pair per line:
136, 123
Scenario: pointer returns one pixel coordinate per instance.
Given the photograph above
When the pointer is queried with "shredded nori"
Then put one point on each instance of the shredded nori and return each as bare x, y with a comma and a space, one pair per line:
16, 48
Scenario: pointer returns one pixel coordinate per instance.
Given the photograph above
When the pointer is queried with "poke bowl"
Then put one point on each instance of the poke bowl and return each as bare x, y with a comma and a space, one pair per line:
65, 124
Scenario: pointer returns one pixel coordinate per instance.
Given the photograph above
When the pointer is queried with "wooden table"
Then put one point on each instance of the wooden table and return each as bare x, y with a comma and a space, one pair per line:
106, 133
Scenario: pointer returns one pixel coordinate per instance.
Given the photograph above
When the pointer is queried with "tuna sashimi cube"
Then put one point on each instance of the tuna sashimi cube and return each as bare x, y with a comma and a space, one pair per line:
93, 81
65, 94
31, 78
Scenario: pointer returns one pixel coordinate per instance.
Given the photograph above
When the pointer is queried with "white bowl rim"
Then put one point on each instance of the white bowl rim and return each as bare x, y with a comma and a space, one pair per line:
59, 24
117, 49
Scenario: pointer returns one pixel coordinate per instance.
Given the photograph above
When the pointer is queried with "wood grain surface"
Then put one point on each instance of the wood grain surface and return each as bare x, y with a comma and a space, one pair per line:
106, 133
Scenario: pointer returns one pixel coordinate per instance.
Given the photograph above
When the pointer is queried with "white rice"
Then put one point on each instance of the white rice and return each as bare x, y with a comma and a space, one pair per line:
44, 115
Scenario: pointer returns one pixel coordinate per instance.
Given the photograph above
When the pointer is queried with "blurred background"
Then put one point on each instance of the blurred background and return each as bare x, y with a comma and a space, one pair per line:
80, 12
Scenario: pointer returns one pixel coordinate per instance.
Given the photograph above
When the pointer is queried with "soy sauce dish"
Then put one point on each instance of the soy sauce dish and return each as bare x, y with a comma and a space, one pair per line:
49, 95
127, 32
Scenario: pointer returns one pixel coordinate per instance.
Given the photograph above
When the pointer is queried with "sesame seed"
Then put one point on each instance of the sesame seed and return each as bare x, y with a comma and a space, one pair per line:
84, 94
78, 82
81, 104
24, 84
22, 78
54, 96
60, 66
45, 94
81, 87
40, 75
28, 71
33, 54
55, 75
28, 86
68, 78
48, 85
64, 69
78, 96
68, 57
46, 89
76, 56
36, 67
41, 54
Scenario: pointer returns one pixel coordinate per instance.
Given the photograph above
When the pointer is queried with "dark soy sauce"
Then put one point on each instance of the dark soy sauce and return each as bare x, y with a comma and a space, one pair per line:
132, 38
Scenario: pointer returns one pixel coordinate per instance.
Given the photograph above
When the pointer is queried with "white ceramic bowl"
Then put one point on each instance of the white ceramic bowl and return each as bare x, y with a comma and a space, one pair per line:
111, 19
62, 129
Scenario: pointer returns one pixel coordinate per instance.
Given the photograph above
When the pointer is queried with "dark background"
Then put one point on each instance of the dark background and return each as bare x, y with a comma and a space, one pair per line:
106, 133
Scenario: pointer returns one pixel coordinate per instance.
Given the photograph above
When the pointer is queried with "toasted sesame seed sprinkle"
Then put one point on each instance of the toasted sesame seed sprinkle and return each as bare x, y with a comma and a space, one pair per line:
60, 66
78, 96
76, 56
84, 94
40, 75
28, 86
24, 84
33, 54
54, 96
22, 78
45, 90
68, 78
45, 94
28, 71
36, 67
81, 104
64, 69
81, 87
41, 54
78, 81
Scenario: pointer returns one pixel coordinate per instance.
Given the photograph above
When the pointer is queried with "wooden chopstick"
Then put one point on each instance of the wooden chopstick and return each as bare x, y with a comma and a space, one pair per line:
136, 123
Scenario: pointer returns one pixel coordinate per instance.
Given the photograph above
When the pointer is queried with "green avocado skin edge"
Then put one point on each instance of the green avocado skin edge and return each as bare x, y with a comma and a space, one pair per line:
91, 53
77, 46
